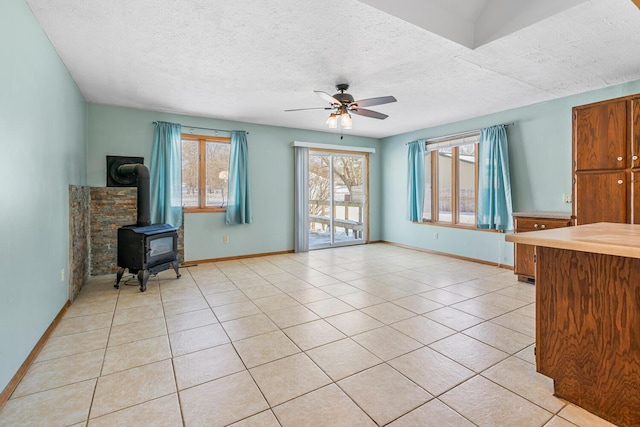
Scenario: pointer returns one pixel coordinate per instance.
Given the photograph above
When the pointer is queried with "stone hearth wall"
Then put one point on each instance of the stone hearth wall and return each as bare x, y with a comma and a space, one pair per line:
78, 239
111, 208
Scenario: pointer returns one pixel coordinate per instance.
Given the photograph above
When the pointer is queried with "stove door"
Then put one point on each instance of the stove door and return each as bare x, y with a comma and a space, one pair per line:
160, 249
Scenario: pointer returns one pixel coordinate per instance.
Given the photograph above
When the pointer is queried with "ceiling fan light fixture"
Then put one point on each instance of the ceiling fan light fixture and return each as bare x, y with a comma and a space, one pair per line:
342, 104
332, 121
345, 120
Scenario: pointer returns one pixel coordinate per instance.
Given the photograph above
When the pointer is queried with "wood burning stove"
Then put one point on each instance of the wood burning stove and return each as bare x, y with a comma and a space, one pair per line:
143, 248
147, 250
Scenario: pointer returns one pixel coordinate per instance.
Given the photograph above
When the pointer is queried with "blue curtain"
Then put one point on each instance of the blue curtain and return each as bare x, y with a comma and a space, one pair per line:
239, 204
415, 180
494, 185
166, 174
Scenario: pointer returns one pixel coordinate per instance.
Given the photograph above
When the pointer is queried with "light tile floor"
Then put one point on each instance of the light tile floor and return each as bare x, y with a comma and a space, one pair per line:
357, 336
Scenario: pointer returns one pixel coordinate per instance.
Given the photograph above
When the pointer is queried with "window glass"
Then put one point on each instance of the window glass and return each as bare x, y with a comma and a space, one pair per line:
445, 196
466, 184
451, 176
205, 172
190, 173
427, 214
217, 173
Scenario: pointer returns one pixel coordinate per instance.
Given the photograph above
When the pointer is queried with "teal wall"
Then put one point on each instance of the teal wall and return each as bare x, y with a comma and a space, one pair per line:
540, 163
129, 132
43, 128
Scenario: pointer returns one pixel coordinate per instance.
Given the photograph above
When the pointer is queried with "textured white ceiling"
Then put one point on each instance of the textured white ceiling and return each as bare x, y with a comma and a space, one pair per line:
249, 60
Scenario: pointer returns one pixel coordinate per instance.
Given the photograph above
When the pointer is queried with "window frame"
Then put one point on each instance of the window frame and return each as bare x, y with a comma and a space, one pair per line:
432, 157
202, 171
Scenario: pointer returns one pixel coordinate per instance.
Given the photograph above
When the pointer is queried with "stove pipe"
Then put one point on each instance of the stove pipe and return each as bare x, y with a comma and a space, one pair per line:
144, 193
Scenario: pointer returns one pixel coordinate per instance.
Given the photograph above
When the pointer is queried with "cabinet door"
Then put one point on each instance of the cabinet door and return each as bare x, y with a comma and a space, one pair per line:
600, 136
601, 197
524, 264
634, 106
635, 196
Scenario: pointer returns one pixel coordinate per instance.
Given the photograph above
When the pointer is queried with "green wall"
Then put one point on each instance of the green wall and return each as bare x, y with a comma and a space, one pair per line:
43, 128
540, 165
129, 132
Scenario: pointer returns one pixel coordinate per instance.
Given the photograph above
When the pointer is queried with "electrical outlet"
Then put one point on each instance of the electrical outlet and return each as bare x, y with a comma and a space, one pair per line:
566, 198
62, 275
435, 236
225, 239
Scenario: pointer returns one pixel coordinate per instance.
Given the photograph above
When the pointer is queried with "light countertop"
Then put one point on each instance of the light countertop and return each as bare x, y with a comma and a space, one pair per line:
604, 238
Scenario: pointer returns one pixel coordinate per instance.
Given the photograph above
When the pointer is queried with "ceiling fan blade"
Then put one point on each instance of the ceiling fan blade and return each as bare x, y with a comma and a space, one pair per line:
368, 113
312, 108
370, 102
327, 97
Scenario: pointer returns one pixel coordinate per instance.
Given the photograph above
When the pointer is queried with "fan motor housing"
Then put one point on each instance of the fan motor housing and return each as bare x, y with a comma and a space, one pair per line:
344, 98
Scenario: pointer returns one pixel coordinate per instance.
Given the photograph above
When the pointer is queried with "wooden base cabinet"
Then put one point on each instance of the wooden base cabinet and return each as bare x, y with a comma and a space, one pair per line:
588, 316
587, 326
524, 255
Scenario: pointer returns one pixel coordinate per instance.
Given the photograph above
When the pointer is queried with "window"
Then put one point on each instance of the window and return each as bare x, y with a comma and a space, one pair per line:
205, 173
451, 182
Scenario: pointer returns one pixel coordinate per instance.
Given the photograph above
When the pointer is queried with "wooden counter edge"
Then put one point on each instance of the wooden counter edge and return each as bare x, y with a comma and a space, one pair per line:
603, 238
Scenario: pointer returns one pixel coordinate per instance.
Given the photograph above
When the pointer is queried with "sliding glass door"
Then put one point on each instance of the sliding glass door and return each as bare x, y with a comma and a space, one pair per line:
337, 199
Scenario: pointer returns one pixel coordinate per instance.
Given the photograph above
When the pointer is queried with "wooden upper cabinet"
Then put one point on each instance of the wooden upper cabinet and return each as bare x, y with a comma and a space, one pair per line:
600, 136
635, 195
606, 161
601, 197
634, 144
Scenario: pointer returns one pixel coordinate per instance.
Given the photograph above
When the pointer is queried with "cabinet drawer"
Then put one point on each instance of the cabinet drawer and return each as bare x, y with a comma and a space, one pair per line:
533, 224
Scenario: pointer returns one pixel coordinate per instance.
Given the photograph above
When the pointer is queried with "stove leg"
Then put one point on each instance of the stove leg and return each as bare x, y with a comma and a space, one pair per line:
175, 267
118, 278
143, 276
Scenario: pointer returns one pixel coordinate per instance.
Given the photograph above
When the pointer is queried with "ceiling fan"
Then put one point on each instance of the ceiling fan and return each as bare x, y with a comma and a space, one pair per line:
343, 105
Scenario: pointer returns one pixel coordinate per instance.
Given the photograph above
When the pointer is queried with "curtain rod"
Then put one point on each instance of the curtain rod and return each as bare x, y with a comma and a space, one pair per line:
198, 127
457, 135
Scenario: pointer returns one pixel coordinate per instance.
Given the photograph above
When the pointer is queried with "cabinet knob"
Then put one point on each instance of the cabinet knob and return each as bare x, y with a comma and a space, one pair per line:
542, 226
535, 226
635, 157
619, 159
620, 181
